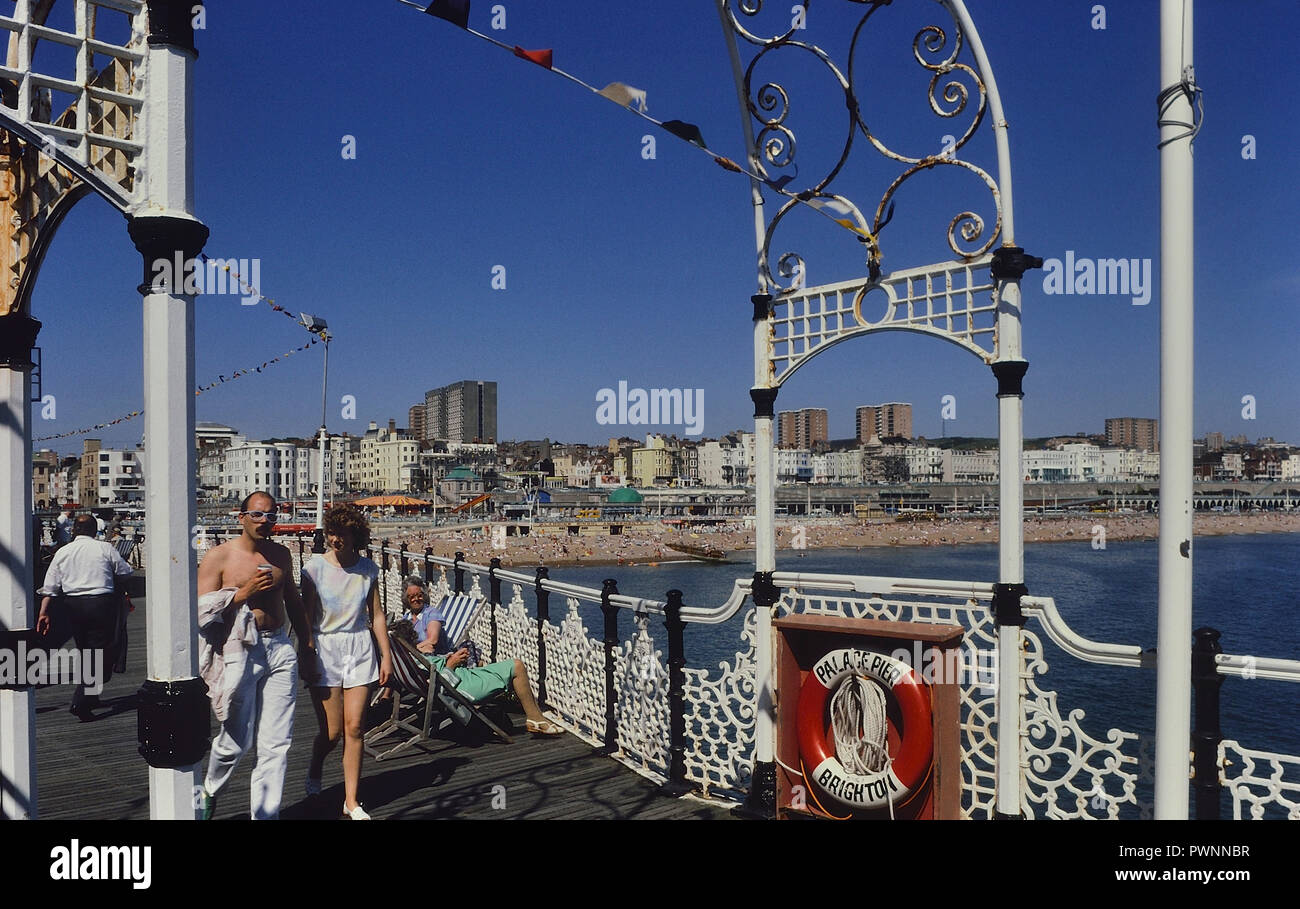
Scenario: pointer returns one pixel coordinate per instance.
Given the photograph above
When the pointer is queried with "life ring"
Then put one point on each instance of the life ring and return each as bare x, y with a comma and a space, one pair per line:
908, 769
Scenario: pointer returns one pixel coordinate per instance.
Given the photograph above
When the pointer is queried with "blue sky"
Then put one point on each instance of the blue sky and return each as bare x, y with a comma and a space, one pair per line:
623, 268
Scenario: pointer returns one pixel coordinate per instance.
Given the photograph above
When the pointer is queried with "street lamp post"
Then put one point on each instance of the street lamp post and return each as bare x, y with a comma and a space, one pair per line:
320, 326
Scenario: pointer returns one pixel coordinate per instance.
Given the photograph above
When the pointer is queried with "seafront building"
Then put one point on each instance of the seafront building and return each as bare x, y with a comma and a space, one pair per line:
464, 411
391, 459
801, 428
1133, 432
884, 421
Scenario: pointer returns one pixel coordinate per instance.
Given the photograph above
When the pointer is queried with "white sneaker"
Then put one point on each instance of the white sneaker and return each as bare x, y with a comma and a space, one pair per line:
356, 814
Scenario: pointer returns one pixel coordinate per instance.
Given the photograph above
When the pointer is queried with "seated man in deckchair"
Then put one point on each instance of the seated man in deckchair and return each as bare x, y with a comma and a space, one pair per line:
477, 683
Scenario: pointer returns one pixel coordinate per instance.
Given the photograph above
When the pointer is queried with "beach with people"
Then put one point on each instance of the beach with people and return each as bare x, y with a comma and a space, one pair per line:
640, 543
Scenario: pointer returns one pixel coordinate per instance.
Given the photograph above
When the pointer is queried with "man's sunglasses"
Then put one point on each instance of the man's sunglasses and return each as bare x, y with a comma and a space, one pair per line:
260, 516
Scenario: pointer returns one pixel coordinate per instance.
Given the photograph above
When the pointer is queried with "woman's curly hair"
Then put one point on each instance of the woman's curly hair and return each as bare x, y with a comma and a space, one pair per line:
346, 520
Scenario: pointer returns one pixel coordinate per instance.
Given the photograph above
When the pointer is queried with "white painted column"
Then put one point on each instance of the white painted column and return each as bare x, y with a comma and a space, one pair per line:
17, 706
1174, 628
166, 224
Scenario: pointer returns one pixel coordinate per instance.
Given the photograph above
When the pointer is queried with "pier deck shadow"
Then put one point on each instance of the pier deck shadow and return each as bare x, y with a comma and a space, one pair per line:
93, 771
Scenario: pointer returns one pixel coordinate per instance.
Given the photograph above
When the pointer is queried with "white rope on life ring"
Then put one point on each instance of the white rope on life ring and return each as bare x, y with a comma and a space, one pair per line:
858, 778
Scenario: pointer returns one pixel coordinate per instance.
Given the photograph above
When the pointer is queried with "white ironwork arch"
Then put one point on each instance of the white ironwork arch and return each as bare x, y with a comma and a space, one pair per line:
971, 300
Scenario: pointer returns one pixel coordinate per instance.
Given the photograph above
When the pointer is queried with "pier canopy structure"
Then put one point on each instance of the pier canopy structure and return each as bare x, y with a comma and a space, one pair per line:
861, 203
120, 129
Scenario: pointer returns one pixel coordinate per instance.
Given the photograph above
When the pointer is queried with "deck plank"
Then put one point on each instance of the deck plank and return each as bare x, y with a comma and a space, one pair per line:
93, 770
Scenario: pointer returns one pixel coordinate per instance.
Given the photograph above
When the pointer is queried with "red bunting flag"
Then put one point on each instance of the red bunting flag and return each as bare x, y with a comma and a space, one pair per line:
540, 57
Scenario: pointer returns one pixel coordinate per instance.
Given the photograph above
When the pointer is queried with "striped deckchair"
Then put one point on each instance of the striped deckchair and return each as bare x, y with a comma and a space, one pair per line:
125, 547
423, 705
460, 610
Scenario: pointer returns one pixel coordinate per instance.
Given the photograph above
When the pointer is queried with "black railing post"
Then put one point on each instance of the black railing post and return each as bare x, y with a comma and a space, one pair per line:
302, 550
1206, 734
384, 564
428, 564
403, 562
543, 616
608, 588
676, 784
494, 598
458, 573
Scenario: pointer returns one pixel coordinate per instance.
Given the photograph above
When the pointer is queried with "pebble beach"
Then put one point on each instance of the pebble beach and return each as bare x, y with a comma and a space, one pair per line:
647, 543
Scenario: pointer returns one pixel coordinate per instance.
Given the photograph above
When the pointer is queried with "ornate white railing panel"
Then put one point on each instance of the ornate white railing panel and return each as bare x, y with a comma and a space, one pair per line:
1069, 773
1267, 783
575, 669
720, 722
641, 711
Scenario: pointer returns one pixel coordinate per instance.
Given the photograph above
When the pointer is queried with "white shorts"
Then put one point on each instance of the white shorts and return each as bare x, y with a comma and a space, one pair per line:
345, 659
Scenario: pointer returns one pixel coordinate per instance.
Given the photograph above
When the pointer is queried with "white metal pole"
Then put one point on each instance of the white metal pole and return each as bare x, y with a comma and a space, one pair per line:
318, 542
164, 226
1174, 630
1009, 370
762, 791
17, 705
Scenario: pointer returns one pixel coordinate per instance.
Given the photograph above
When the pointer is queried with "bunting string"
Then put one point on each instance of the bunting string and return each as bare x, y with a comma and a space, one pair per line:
634, 99
220, 380
250, 291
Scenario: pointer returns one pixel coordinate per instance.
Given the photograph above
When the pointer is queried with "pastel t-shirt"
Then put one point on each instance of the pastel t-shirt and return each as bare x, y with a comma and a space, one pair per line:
343, 593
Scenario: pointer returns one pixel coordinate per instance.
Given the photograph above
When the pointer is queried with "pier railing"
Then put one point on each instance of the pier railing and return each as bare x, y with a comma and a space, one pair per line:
596, 657
682, 727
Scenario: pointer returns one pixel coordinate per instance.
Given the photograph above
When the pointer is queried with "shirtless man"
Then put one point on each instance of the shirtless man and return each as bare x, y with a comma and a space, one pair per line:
262, 688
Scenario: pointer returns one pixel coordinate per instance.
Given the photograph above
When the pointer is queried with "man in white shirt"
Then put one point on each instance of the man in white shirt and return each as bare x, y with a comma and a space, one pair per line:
89, 578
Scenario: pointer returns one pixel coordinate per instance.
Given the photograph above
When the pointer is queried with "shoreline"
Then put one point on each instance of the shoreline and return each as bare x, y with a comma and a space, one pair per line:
645, 544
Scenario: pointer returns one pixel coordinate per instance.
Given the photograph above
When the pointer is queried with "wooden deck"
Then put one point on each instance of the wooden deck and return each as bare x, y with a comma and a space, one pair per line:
93, 771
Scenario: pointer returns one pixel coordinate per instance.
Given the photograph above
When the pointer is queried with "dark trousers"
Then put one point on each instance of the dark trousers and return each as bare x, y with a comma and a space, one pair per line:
94, 622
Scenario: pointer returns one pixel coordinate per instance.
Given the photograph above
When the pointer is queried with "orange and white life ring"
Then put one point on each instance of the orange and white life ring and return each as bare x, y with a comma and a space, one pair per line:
908, 769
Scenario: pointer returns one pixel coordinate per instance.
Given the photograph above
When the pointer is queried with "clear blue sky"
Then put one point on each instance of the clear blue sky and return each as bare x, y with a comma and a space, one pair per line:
621, 268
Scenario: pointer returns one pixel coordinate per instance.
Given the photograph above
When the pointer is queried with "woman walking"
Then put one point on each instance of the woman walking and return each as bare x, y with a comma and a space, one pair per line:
338, 589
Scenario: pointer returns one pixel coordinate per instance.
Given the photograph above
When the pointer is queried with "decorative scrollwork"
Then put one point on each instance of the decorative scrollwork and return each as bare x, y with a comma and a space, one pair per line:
752, 8
933, 38
968, 223
1068, 773
1266, 783
955, 89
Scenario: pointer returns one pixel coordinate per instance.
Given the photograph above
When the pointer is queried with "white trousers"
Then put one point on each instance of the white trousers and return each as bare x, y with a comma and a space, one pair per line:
261, 714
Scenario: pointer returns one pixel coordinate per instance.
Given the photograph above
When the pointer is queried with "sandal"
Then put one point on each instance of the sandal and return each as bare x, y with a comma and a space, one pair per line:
356, 814
543, 727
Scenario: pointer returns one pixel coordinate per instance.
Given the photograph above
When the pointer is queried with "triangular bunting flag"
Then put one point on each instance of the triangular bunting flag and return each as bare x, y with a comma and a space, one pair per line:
454, 11
540, 57
780, 182
688, 131
834, 205
845, 222
625, 95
